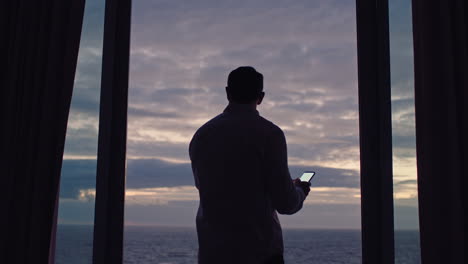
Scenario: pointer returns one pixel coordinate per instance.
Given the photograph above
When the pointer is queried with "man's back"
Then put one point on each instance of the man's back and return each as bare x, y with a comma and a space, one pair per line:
239, 162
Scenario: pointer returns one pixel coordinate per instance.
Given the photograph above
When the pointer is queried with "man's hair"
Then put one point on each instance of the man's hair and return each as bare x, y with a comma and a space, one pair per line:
245, 85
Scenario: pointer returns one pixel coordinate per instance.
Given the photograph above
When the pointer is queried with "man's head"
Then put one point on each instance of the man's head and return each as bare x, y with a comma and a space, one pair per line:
245, 86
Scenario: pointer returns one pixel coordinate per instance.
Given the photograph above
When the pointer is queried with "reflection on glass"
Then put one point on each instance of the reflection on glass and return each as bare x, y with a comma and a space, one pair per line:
181, 55
77, 186
403, 128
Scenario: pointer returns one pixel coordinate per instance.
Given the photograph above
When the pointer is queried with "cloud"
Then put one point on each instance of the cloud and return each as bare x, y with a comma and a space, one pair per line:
87, 195
143, 173
403, 108
160, 195
79, 176
166, 195
181, 54
82, 137
405, 191
82, 130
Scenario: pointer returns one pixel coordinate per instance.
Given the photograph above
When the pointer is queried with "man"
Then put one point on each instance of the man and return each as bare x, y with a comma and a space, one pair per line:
239, 163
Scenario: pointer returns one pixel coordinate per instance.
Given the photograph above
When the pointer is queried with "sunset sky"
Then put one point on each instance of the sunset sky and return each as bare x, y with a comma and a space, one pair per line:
181, 54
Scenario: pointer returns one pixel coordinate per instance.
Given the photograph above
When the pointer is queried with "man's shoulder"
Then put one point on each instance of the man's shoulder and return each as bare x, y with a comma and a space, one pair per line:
212, 122
270, 126
260, 122
206, 126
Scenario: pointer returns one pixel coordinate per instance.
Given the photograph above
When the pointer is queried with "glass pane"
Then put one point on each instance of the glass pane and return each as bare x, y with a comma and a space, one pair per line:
181, 55
403, 128
77, 187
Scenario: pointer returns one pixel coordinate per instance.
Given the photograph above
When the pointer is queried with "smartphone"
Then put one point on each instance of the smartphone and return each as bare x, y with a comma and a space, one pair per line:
307, 176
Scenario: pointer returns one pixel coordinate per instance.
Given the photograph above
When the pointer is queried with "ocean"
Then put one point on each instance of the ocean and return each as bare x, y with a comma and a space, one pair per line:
178, 245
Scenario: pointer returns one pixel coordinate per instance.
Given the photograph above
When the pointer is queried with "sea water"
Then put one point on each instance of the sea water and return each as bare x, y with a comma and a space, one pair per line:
178, 245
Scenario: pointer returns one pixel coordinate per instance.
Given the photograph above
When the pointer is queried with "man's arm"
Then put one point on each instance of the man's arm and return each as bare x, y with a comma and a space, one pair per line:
287, 196
191, 155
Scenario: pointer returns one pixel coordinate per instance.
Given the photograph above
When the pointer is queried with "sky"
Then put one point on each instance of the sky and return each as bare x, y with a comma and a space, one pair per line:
181, 53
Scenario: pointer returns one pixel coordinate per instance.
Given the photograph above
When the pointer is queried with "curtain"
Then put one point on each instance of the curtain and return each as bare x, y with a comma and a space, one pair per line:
375, 132
111, 161
38, 55
441, 100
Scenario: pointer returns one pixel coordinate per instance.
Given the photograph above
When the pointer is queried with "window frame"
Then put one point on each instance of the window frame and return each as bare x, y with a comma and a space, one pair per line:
374, 132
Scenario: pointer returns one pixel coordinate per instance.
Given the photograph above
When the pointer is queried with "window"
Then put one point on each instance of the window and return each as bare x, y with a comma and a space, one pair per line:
403, 129
74, 243
181, 54
174, 61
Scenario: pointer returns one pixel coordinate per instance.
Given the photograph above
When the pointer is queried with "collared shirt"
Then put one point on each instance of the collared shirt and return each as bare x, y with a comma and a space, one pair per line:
239, 162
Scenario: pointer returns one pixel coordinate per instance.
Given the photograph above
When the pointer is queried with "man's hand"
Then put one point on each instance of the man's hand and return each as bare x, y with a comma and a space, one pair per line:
305, 186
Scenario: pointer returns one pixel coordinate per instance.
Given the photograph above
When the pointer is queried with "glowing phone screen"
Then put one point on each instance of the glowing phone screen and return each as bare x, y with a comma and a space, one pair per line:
307, 176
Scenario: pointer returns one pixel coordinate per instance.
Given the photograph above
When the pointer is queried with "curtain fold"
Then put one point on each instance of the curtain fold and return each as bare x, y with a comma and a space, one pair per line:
440, 31
38, 52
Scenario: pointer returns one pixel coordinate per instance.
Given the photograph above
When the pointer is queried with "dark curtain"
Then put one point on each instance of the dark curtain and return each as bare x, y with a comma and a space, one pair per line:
441, 98
38, 54
111, 161
375, 132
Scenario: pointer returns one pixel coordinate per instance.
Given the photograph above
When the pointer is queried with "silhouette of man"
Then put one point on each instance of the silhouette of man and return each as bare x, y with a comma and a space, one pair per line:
239, 163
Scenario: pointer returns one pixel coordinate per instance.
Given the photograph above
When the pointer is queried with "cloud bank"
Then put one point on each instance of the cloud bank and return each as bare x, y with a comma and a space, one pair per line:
181, 54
